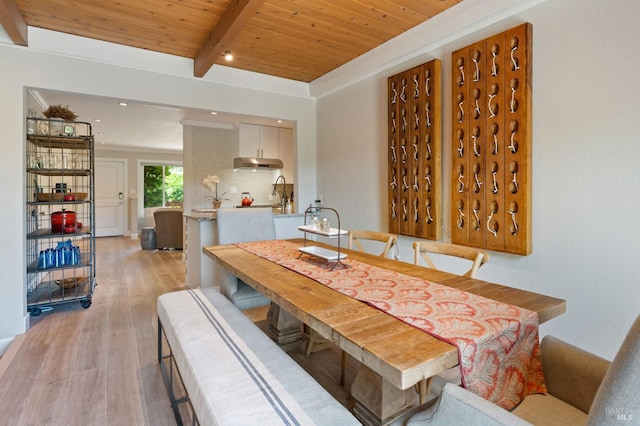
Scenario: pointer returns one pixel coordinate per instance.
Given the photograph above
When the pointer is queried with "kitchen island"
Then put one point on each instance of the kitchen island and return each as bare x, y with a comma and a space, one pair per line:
201, 232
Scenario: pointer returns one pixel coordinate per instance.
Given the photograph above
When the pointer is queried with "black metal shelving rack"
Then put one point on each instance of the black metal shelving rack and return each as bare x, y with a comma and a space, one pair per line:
61, 260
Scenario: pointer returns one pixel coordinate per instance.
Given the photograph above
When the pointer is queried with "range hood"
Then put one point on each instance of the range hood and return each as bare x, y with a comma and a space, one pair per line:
257, 163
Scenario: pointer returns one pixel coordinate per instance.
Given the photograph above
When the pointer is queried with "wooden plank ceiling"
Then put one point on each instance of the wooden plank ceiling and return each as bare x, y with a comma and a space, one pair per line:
295, 39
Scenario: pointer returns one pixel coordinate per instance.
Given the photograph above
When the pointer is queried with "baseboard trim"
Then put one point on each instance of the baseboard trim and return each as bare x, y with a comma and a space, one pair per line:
8, 350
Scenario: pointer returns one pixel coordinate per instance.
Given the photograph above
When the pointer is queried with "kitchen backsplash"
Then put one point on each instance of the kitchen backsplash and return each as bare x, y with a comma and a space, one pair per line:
213, 151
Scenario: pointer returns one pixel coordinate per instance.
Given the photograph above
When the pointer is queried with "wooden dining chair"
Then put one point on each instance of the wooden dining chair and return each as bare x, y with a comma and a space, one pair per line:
422, 249
355, 238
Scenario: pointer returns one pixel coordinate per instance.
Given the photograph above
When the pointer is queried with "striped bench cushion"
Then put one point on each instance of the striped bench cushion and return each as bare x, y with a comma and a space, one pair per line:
234, 374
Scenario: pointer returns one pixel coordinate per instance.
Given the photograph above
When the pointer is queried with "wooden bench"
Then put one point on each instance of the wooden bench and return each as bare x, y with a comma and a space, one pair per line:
231, 371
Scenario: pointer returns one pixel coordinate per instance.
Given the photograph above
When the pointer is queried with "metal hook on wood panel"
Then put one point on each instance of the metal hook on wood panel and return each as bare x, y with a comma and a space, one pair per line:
460, 141
476, 56
403, 96
477, 221
460, 182
428, 179
514, 60
494, 55
427, 111
512, 211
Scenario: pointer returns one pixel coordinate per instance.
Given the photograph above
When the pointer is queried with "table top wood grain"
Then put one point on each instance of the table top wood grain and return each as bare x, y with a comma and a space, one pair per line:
400, 353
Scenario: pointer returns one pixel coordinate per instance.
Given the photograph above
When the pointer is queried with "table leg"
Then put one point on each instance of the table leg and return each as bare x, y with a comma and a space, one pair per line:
284, 328
378, 402
423, 389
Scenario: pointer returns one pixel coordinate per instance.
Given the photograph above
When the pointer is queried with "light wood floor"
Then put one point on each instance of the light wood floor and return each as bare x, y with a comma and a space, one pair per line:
98, 366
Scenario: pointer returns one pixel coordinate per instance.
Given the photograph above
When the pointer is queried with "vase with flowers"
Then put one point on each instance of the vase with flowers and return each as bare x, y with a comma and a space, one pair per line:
212, 182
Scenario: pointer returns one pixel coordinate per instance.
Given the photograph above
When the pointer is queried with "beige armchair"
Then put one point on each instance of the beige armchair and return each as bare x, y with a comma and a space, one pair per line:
169, 228
582, 389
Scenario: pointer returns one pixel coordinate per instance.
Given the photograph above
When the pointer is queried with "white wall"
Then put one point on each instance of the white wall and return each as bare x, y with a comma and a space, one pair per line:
585, 172
28, 67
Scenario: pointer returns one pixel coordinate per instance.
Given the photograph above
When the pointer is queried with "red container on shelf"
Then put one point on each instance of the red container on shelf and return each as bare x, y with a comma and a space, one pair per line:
63, 221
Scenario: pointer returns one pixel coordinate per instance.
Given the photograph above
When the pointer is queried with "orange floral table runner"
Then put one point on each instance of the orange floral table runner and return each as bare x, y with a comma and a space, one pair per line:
498, 345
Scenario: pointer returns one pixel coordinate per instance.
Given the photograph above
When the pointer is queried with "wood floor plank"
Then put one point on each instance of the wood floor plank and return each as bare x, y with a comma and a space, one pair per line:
87, 398
50, 399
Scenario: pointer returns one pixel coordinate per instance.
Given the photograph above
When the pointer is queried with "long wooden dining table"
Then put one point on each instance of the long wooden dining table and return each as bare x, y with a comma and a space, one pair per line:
395, 357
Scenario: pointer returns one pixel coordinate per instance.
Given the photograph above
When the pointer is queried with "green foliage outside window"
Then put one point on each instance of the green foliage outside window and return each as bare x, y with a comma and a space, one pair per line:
163, 186
174, 186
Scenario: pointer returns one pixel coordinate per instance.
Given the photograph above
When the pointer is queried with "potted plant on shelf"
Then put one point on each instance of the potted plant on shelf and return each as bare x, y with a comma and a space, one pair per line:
212, 182
60, 114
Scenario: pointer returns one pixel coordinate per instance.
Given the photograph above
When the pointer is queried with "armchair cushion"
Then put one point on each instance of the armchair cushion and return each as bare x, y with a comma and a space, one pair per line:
540, 409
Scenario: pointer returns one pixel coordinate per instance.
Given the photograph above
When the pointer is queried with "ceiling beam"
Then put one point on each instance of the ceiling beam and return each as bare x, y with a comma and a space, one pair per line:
232, 21
13, 22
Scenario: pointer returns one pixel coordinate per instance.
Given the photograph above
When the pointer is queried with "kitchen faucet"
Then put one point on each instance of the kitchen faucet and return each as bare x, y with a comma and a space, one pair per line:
283, 197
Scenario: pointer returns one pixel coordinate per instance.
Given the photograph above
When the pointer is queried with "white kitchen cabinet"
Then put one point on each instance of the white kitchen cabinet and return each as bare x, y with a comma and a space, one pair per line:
258, 141
286, 153
268, 142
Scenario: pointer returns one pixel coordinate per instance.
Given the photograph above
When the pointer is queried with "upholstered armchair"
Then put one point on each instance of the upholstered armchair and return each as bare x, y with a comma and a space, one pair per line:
169, 228
240, 226
582, 389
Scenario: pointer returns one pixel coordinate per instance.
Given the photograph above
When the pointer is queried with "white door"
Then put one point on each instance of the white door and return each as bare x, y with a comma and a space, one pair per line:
109, 194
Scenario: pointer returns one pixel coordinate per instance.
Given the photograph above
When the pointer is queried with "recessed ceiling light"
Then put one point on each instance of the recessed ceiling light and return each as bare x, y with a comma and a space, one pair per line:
123, 103
97, 120
278, 121
227, 55
213, 113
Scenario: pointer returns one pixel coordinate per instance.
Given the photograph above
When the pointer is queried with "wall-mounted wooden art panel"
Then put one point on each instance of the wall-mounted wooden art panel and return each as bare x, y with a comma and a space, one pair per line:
491, 143
415, 153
